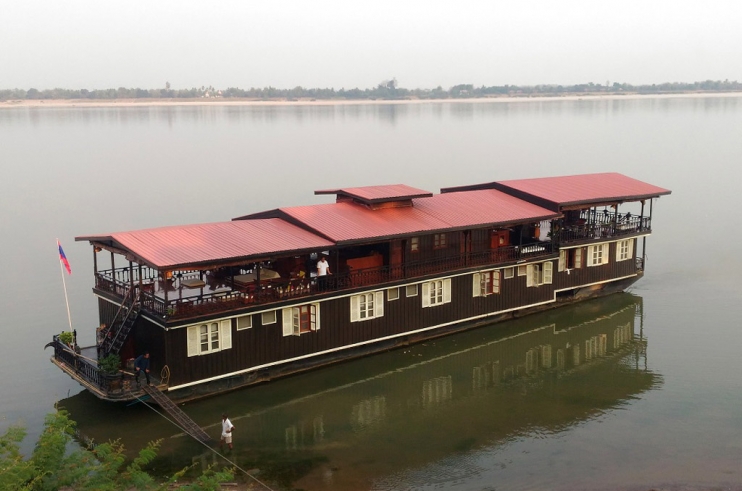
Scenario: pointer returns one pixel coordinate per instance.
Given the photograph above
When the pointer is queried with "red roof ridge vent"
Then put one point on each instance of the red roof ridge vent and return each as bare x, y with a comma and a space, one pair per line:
377, 197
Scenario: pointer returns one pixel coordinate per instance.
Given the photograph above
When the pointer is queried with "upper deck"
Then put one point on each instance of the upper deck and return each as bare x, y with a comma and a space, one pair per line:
188, 294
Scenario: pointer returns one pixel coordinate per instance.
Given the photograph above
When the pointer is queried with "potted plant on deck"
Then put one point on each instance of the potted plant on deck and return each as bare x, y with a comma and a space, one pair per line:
65, 337
110, 367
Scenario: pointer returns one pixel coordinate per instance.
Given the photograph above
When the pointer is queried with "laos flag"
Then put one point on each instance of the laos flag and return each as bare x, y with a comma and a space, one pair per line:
63, 258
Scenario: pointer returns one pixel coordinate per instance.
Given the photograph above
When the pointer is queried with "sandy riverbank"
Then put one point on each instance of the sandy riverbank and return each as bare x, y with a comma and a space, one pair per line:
66, 103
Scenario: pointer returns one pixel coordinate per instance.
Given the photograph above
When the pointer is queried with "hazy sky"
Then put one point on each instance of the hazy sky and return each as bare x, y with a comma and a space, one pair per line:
313, 43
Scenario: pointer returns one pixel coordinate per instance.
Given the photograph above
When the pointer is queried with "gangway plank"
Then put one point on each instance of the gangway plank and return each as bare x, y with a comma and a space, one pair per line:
181, 418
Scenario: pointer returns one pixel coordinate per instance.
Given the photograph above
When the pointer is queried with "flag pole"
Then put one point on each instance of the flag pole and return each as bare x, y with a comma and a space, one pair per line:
64, 284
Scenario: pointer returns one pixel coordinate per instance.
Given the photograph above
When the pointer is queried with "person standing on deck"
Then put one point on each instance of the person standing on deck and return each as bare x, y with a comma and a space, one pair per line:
323, 269
227, 428
141, 364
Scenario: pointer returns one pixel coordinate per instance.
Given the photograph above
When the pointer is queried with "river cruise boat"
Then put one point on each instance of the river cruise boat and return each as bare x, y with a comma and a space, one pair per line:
224, 305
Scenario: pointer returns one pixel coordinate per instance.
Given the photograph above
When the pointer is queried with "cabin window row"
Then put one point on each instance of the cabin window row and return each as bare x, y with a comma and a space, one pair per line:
370, 305
266, 318
440, 241
294, 320
596, 255
488, 282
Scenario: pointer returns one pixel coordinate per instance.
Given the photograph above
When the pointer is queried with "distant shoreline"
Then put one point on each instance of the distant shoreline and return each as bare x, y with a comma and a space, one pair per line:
216, 101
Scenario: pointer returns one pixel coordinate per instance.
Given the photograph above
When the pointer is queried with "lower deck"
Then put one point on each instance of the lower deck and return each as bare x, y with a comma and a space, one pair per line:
187, 385
82, 365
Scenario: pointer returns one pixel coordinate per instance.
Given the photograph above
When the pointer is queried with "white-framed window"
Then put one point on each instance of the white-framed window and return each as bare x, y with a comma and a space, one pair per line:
509, 273
562, 260
597, 254
244, 322
268, 318
300, 319
366, 306
439, 241
392, 294
522, 270
411, 291
436, 292
486, 283
210, 337
540, 274
624, 249
414, 244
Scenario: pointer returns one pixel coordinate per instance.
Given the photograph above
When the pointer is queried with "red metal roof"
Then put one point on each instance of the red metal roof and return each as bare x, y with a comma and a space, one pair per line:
377, 194
270, 233
348, 222
170, 247
585, 188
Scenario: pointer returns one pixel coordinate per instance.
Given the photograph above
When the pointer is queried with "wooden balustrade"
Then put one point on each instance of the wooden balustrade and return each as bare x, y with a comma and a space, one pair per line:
603, 229
274, 291
114, 386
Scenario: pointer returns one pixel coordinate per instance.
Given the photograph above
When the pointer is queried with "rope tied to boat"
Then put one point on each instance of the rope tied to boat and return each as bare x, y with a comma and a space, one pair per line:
205, 445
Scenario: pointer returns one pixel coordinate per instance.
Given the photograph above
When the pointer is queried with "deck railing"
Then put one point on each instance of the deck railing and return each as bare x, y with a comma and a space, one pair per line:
87, 370
277, 290
604, 227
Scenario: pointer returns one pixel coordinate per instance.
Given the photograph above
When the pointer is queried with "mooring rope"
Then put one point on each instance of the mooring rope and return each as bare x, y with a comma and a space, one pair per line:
205, 445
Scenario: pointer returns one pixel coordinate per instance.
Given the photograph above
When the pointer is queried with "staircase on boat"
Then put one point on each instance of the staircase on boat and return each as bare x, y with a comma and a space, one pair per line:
126, 317
181, 418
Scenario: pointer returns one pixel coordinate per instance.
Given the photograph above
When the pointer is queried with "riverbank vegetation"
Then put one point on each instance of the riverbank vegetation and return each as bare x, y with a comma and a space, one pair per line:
56, 463
386, 90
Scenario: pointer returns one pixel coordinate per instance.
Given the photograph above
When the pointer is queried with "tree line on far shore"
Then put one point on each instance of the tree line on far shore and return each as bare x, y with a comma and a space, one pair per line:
387, 90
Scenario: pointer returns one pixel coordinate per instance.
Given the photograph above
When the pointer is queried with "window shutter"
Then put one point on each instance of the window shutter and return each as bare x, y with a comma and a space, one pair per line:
296, 320
631, 248
225, 332
529, 275
426, 295
591, 256
288, 325
193, 343
314, 312
447, 290
548, 272
379, 304
578, 258
476, 285
606, 253
355, 308
562, 260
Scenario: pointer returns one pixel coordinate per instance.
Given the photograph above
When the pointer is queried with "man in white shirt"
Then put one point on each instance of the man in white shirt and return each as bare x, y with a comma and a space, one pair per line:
227, 428
323, 269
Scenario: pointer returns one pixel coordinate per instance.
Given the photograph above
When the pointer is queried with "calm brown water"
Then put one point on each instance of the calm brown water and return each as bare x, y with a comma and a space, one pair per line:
468, 412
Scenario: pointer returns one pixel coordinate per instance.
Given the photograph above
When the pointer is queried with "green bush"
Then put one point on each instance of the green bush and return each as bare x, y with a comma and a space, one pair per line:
104, 467
110, 364
66, 337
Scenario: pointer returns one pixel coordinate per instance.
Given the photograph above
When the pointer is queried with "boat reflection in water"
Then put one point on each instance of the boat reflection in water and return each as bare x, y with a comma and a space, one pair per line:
350, 425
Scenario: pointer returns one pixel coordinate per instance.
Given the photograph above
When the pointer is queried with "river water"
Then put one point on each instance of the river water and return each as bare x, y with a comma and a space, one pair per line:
659, 402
